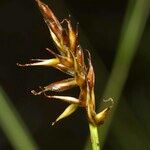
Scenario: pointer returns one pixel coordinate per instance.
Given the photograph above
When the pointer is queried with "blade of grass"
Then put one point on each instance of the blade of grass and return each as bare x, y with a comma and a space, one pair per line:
131, 35
135, 20
132, 130
13, 126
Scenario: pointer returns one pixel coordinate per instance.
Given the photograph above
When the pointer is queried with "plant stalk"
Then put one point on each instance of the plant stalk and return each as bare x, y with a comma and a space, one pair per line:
94, 137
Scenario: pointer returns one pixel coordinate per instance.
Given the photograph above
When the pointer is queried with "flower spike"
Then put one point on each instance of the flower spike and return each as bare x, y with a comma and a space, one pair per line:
70, 60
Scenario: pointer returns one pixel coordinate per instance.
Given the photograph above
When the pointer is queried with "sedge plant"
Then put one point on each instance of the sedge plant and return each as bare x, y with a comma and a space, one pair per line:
70, 60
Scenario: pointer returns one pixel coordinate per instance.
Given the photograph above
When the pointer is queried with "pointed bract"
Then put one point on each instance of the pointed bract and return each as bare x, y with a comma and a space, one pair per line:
68, 111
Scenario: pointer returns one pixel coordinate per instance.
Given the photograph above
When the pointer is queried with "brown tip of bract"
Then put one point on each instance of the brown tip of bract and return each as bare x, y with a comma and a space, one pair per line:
22, 65
53, 123
109, 100
35, 93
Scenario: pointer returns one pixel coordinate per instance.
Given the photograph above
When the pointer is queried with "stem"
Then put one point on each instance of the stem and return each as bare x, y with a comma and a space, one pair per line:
94, 137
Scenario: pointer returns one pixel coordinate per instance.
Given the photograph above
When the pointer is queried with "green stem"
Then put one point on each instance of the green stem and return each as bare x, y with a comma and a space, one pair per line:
94, 137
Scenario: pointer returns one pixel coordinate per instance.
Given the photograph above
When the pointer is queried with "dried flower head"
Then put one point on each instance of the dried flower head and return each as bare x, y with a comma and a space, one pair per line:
70, 60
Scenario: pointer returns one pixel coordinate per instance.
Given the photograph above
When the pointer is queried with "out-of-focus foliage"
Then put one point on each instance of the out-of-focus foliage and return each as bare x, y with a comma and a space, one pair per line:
13, 127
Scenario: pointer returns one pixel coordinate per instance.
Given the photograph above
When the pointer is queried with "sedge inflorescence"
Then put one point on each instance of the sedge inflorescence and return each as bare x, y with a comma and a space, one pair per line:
70, 60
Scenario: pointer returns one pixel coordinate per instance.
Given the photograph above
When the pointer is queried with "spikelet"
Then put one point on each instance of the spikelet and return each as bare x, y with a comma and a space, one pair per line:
70, 60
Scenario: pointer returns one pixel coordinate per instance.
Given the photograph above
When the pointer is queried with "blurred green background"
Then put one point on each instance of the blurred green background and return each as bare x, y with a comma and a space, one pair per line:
117, 33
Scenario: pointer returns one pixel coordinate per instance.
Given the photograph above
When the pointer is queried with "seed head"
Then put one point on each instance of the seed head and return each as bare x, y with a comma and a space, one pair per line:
70, 60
